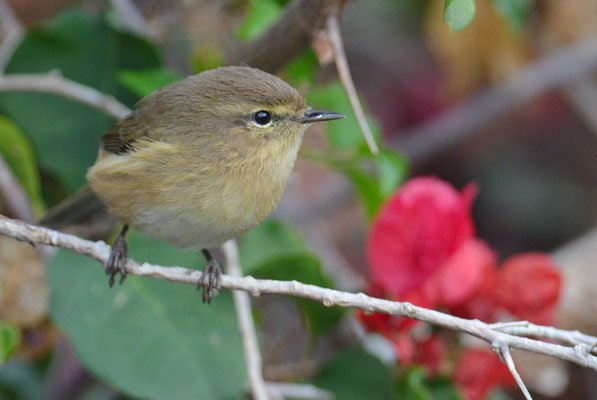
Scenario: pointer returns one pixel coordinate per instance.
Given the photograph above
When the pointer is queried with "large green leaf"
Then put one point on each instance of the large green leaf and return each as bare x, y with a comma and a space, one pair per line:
85, 49
18, 153
355, 374
148, 338
274, 250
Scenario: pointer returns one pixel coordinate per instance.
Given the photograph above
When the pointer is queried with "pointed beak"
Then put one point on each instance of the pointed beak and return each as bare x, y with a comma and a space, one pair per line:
318, 116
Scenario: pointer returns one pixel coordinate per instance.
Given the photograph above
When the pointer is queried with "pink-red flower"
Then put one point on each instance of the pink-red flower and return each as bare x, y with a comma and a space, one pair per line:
422, 249
478, 372
418, 229
529, 287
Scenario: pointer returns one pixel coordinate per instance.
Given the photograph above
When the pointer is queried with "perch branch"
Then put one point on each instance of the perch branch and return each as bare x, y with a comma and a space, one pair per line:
100, 251
55, 84
333, 30
286, 39
242, 304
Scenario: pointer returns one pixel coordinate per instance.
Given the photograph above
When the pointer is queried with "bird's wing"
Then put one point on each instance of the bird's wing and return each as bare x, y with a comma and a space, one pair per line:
120, 138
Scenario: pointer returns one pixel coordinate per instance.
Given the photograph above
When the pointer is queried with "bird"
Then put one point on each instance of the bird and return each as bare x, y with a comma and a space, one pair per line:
200, 161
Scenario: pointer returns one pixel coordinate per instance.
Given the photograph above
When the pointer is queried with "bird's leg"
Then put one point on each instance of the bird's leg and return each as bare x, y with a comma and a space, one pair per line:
211, 278
117, 261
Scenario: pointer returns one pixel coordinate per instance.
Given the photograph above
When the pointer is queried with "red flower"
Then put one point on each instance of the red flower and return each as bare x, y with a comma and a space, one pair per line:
479, 371
461, 276
418, 229
529, 287
430, 353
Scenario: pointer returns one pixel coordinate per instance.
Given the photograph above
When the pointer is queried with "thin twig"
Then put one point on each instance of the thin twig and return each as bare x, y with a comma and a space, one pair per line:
525, 328
15, 199
503, 352
333, 29
242, 304
100, 251
13, 33
428, 139
297, 391
56, 84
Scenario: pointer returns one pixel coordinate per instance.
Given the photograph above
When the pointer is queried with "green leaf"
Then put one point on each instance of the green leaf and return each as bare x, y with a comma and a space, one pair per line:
412, 386
87, 50
515, 11
344, 133
302, 69
274, 250
355, 374
442, 388
21, 380
459, 13
18, 153
272, 239
9, 340
260, 15
367, 189
373, 177
146, 81
391, 169
148, 338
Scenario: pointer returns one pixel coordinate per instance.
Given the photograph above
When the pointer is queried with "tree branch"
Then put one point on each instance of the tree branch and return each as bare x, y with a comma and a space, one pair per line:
132, 19
286, 39
101, 251
525, 328
242, 304
13, 33
55, 84
503, 352
15, 199
428, 139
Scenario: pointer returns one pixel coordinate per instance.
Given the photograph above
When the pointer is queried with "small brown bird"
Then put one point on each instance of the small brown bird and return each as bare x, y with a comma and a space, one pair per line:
201, 160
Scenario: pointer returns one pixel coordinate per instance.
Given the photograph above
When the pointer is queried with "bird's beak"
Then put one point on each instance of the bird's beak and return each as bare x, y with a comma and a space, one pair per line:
317, 116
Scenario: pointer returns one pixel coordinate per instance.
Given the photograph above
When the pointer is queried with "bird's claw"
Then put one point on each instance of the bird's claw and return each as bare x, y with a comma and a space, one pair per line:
210, 280
117, 261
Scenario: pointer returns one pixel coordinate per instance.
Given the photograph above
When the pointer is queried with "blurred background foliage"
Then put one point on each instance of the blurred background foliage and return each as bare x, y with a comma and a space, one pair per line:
152, 339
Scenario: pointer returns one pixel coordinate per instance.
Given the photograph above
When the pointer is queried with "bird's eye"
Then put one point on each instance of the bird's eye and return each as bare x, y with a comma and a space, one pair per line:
262, 117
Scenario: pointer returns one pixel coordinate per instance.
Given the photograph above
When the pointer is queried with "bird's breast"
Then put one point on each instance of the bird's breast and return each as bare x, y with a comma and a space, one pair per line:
173, 193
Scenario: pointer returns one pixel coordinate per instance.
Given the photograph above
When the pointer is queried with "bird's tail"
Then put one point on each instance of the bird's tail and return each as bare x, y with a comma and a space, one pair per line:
80, 209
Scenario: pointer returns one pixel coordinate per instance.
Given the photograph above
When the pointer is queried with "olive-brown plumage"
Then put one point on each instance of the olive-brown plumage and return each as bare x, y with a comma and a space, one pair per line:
202, 160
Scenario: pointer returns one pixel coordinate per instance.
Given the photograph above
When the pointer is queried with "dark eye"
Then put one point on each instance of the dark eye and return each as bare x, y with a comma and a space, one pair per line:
262, 117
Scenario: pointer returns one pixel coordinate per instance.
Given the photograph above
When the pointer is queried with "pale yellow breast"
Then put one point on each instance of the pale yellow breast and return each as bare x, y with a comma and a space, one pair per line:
166, 190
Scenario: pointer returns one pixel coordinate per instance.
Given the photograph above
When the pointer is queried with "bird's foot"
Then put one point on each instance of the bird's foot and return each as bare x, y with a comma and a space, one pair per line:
210, 280
117, 261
